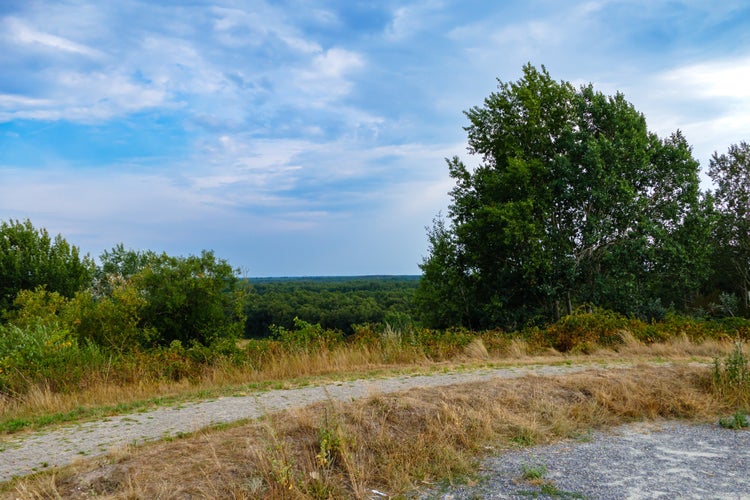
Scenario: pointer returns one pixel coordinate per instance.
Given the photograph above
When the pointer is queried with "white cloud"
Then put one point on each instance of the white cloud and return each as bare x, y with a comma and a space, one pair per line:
20, 33
409, 20
709, 101
15, 101
714, 79
255, 25
326, 78
84, 97
251, 67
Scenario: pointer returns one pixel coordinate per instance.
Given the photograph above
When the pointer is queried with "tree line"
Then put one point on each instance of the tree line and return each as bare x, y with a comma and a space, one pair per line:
333, 303
142, 299
574, 202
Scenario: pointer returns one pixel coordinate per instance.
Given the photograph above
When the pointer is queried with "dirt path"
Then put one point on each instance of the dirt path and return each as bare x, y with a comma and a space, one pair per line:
28, 453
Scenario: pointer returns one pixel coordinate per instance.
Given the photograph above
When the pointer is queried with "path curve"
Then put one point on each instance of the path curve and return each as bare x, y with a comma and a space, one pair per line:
28, 453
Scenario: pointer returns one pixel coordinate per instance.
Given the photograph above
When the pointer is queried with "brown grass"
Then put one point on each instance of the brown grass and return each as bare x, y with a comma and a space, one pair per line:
395, 443
344, 361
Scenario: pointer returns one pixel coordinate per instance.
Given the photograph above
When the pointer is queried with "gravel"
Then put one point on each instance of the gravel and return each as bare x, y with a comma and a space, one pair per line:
25, 454
646, 460
664, 460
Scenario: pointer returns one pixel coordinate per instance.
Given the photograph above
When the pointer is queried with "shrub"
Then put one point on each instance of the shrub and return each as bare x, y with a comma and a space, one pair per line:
113, 320
190, 298
32, 307
306, 337
38, 353
582, 330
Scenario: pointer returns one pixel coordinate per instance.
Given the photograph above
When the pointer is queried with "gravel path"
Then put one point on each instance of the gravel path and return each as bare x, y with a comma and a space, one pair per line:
646, 460
27, 453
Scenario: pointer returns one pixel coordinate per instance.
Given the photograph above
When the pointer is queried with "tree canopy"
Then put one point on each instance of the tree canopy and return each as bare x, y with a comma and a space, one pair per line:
195, 298
30, 258
730, 173
573, 201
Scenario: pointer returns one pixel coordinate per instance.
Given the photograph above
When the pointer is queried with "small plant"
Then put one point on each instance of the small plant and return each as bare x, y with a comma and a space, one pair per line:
737, 421
733, 372
282, 468
524, 437
735, 367
329, 444
534, 472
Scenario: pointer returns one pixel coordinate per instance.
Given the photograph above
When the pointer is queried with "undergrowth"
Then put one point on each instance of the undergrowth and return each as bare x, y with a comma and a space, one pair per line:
48, 376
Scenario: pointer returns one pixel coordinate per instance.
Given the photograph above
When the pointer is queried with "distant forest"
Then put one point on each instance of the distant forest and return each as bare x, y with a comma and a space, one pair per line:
335, 302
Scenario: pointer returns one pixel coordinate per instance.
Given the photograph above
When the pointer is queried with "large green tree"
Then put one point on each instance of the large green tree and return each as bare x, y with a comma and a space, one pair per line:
730, 173
30, 258
195, 298
573, 200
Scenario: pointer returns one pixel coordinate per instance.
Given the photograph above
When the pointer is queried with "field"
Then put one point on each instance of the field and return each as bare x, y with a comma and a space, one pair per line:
394, 443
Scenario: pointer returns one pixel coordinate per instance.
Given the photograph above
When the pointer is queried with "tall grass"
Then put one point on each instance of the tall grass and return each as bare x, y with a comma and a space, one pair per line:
393, 444
57, 379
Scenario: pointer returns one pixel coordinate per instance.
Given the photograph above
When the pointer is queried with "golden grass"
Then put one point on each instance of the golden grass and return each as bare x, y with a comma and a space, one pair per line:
288, 370
395, 443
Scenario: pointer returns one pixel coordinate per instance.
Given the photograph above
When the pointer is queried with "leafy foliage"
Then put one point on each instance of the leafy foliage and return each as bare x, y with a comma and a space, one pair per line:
43, 353
334, 303
731, 174
574, 202
30, 258
195, 298
306, 337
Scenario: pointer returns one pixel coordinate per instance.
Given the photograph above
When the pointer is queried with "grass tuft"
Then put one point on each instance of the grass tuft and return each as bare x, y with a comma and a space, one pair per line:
394, 443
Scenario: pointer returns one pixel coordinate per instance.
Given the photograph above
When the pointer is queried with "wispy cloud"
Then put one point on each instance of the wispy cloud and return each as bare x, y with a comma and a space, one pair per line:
303, 138
16, 31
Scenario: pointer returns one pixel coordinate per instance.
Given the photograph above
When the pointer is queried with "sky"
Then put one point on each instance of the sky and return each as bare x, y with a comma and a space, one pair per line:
308, 138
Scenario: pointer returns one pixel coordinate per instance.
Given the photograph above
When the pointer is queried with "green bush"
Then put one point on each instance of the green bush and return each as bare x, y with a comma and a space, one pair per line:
190, 298
583, 329
306, 337
38, 306
113, 320
42, 353
110, 321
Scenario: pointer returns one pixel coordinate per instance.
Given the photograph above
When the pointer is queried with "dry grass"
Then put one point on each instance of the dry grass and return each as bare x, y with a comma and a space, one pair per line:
678, 346
476, 350
393, 443
287, 369
103, 396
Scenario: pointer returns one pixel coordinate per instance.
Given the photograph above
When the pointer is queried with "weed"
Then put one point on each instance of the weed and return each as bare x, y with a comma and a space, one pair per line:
524, 437
739, 420
731, 376
735, 367
534, 472
329, 445
550, 489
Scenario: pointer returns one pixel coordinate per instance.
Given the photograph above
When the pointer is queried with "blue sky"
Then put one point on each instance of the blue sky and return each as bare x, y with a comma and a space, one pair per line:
301, 137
